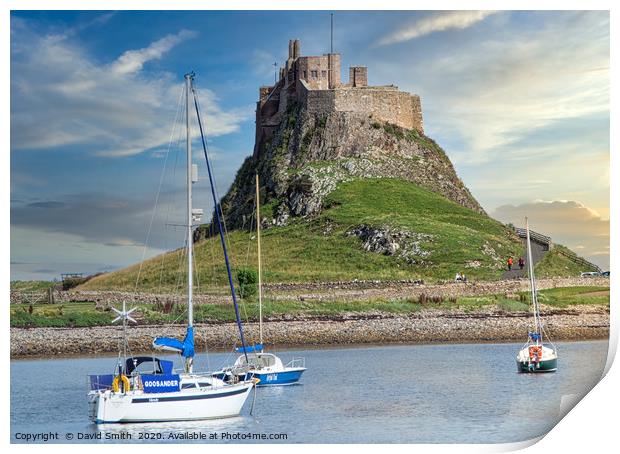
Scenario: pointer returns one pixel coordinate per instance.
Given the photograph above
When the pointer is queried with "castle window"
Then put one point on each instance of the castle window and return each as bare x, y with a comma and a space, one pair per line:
314, 74
305, 75
323, 74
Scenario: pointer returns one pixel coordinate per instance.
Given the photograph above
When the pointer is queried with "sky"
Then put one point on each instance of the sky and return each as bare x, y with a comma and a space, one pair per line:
519, 100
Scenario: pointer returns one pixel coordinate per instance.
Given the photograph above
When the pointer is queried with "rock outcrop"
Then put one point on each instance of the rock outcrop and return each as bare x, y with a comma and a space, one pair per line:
396, 242
310, 154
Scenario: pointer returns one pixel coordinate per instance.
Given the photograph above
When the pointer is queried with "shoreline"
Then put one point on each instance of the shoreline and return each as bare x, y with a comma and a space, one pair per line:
430, 326
273, 348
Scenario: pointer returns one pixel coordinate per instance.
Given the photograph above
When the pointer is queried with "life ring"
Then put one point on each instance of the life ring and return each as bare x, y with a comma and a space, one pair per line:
535, 352
116, 383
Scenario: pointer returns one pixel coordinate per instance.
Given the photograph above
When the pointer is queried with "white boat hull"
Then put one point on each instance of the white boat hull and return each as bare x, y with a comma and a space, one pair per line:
185, 405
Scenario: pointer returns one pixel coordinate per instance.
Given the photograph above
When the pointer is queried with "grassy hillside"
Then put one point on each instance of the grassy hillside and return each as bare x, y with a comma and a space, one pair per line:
321, 250
31, 286
556, 264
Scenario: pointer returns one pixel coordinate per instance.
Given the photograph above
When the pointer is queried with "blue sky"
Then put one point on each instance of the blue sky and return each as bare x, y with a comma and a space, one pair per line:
519, 101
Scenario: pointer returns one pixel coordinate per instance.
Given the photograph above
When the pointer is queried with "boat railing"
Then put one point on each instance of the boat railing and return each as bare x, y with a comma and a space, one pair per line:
100, 382
297, 361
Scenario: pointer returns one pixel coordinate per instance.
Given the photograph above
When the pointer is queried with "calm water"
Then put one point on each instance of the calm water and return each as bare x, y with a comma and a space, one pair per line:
467, 393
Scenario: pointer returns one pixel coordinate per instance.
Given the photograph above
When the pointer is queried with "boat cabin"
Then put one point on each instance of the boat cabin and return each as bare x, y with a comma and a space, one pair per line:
260, 361
148, 365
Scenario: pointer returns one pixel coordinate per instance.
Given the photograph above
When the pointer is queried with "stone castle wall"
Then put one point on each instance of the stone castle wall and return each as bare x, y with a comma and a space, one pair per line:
383, 104
320, 73
315, 82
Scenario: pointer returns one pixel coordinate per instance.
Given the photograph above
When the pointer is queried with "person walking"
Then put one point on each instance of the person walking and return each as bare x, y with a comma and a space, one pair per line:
521, 263
509, 263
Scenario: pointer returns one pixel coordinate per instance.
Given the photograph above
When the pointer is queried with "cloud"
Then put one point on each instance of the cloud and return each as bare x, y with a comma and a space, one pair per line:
434, 23
47, 204
567, 222
500, 83
104, 219
94, 217
61, 96
52, 268
133, 60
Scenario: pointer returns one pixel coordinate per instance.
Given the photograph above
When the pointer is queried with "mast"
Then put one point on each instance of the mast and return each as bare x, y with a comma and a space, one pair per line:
331, 33
218, 210
124, 332
532, 281
260, 282
125, 316
190, 239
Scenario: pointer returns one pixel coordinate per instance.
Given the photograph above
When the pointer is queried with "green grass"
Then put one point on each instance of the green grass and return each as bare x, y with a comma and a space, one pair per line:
31, 286
84, 314
555, 264
557, 297
301, 252
412, 135
78, 314
563, 297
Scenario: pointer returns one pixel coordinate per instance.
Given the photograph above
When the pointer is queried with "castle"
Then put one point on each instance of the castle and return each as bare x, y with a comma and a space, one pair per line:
314, 83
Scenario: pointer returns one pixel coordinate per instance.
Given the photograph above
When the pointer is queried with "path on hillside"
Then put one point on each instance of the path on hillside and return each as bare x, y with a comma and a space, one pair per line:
538, 252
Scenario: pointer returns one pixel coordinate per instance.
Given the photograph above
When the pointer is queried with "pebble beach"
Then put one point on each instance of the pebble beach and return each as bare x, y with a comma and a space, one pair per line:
580, 322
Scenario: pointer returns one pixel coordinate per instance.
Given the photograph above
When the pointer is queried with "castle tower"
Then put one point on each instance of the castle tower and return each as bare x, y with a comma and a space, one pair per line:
314, 82
333, 63
294, 49
358, 76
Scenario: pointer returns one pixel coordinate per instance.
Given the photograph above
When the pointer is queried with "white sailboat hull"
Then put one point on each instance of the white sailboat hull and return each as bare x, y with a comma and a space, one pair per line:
185, 405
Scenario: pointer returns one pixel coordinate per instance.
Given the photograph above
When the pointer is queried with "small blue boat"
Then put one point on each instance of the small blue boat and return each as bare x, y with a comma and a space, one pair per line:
255, 363
267, 367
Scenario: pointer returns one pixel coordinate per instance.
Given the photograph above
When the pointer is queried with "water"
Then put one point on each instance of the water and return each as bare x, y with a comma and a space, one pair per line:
465, 393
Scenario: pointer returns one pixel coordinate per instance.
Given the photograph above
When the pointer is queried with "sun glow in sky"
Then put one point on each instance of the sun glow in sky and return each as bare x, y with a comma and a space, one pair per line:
519, 101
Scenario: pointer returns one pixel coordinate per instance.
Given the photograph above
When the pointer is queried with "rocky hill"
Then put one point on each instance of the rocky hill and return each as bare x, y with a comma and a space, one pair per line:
351, 189
310, 155
343, 197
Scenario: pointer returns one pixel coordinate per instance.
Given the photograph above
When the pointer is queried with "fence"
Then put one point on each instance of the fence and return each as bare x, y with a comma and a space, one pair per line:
47, 296
534, 236
580, 260
545, 240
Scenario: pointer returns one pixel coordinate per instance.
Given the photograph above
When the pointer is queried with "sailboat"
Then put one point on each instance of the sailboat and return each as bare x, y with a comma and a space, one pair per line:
266, 367
147, 389
535, 356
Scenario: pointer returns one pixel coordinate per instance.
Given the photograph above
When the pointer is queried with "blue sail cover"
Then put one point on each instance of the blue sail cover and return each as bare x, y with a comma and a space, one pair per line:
185, 347
534, 336
250, 348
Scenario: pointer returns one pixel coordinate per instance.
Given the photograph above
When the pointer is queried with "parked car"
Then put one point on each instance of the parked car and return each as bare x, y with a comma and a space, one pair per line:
590, 274
605, 274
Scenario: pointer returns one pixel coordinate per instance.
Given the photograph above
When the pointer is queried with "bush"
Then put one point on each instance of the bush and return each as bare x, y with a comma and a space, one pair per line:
166, 307
72, 282
394, 130
247, 280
